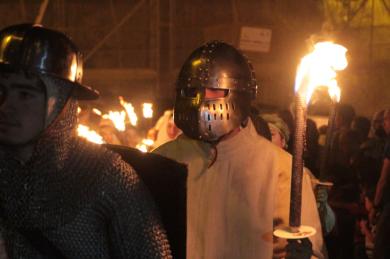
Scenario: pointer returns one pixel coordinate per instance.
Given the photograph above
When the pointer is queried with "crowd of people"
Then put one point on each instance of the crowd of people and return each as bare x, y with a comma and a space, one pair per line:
358, 169
64, 197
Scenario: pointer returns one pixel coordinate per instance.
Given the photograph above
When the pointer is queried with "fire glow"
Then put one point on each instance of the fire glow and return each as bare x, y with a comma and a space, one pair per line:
129, 110
91, 135
147, 109
318, 68
97, 111
118, 118
145, 145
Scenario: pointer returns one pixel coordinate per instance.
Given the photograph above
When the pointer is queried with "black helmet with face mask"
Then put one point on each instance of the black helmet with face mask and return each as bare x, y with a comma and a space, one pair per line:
215, 65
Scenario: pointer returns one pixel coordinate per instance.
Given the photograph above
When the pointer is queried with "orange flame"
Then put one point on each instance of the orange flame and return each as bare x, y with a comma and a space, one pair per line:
91, 135
145, 145
318, 68
97, 111
118, 118
147, 109
129, 110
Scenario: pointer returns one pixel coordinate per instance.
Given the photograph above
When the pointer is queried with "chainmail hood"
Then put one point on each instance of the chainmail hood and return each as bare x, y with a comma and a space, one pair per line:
44, 185
34, 190
66, 188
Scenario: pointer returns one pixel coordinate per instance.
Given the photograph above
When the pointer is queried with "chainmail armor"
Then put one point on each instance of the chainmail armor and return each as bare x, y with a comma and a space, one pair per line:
80, 196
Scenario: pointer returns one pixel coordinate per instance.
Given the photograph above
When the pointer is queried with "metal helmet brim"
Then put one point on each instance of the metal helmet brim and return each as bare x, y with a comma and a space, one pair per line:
35, 49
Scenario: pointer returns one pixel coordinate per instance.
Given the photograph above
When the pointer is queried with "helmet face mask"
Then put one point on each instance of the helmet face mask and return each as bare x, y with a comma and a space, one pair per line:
214, 66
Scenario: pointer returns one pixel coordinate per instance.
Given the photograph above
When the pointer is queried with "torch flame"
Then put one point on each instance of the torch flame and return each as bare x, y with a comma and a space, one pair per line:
334, 91
145, 145
129, 110
97, 111
91, 135
147, 109
318, 68
118, 118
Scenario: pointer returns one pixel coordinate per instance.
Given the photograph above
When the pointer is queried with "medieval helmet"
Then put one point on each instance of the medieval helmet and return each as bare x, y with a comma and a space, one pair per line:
33, 48
215, 65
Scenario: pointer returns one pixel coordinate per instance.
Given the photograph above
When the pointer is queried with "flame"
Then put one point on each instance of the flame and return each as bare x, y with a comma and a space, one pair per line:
147, 109
145, 145
97, 111
129, 110
334, 91
91, 135
118, 118
78, 109
319, 67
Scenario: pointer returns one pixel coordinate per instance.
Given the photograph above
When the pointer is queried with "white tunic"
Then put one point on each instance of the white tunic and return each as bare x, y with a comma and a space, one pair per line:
231, 205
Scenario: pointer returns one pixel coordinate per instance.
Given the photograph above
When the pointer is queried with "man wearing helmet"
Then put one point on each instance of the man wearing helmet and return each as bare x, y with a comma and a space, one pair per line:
238, 182
60, 196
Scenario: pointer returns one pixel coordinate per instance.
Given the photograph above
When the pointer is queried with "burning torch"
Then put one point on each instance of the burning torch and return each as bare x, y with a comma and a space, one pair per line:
318, 68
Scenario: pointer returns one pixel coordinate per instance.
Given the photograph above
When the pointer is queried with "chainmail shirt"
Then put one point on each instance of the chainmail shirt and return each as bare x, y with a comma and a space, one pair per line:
81, 197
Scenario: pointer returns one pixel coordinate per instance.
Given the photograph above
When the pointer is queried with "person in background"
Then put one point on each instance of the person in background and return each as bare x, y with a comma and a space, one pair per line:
61, 196
288, 118
362, 125
261, 126
311, 154
382, 198
279, 130
108, 131
374, 145
130, 137
377, 129
165, 129
345, 114
364, 248
238, 182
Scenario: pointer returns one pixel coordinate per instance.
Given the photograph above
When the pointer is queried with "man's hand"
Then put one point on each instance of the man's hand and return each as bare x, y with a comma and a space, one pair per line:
279, 250
299, 249
293, 249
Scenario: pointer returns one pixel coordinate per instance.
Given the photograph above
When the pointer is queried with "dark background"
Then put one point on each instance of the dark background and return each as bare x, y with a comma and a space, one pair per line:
135, 48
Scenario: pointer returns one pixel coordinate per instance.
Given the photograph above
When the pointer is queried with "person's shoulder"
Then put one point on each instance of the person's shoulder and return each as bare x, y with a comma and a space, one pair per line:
107, 163
267, 147
172, 147
100, 153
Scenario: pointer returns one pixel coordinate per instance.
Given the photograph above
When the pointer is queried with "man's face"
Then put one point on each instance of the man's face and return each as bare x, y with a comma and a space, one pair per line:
277, 138
386, 122
22, 108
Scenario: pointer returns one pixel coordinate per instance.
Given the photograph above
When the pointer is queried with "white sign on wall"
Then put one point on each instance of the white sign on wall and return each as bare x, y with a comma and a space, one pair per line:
255, 39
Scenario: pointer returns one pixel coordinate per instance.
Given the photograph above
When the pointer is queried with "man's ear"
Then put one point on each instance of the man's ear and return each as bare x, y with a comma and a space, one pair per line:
284, 144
